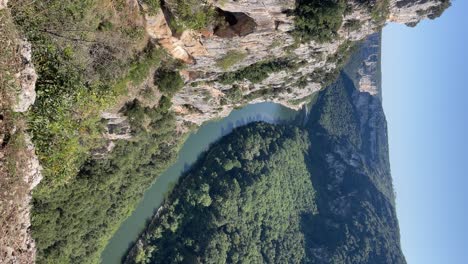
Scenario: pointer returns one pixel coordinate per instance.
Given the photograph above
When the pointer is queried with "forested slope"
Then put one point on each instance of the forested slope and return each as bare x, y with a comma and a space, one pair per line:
242, 202
357, 221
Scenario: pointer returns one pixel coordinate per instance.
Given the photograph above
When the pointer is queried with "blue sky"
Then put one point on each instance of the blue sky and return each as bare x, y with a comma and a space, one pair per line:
425, 93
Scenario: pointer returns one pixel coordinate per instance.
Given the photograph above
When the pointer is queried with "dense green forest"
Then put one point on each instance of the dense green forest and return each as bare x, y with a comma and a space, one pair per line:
241, 203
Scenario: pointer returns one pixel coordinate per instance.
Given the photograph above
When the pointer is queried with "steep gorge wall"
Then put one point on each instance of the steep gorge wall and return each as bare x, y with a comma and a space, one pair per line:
205, 97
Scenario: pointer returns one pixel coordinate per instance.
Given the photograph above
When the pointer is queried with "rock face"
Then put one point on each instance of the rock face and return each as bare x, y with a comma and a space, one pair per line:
27, 79
17, 244
410, 12
364, 66
260, 30
32, 169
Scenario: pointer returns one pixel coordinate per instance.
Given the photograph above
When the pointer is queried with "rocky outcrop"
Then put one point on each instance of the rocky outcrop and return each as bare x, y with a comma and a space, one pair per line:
27, 79
364, 66
261, 31
410, 12
32, 174
17, 244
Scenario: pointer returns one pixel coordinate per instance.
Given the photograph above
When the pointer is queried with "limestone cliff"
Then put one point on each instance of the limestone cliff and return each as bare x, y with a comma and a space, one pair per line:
261, 32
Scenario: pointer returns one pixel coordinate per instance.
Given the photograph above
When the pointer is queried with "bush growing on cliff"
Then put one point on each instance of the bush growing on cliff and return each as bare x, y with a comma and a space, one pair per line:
190, 14
257, 72
85, 54
169, 82
153, 6
318, 19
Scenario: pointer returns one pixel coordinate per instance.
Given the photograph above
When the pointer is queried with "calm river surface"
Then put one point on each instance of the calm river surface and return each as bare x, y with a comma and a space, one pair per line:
195, 144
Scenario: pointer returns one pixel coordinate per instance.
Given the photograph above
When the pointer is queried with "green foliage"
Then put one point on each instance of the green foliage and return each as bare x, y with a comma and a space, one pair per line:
140, 69
165, 103
65, 119
241, 203
249, 198
257, 72
9, 63
340, 59
153, 6
318, 19
353, 25
345, 124
71, 224
234, 94
81, 72
231, 58
87, 54
169, 82
379, 10
337, 114
191, 14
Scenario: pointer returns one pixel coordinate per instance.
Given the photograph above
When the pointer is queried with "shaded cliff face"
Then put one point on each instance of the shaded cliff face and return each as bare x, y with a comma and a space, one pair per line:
258, 33
357, 220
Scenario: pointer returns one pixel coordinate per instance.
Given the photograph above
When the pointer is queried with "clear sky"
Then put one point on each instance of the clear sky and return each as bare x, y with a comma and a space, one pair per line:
425, 93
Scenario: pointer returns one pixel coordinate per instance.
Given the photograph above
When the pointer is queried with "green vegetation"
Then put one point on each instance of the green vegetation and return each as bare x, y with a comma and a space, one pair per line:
379, 10
169, 82
231, 58
241, 203
249, 198
364, 227
153, 6
190, 14
339, 121
234, 94
9, 64
85, 58
89, 55
72, 224
353, 25
257, 72
318, 20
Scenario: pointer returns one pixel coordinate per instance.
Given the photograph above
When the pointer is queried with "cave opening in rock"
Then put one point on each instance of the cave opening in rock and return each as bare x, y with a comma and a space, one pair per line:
233, 24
